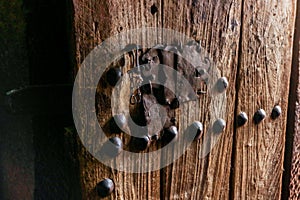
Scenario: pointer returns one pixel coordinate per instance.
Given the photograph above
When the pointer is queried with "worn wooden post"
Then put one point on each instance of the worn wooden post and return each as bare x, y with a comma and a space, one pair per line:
264, 76
251, 44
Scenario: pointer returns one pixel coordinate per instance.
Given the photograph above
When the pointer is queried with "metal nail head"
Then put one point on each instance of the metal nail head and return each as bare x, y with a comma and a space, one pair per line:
222, 84
113, 147
197, 127
105, 187
242, 118
259, 116
140, 143
219, 126
170, 134
113, 75
276, 112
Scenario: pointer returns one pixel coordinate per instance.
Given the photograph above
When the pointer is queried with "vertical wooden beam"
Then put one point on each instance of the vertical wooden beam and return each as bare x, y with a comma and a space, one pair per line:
56, 175
265, 38
216, 24
263, 82
94, 22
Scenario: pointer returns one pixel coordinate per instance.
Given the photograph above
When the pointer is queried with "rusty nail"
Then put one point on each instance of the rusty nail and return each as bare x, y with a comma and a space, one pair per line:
242, 118
219, 126
222, 84
105, 187
113, 75
259, 116
276, 112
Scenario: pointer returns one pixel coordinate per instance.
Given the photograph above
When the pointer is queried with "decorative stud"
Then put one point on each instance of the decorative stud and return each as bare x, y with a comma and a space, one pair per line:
222, 84
242, 118
105, 187
276, 112
259, 116
113, 75
197, 127
120, 120
140, 143
219, 126
170, 134
113, 147
117, 123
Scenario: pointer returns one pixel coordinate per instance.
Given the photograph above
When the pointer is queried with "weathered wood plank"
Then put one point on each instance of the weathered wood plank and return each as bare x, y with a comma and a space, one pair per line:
216, 24
94, 22
263, 82
263, 64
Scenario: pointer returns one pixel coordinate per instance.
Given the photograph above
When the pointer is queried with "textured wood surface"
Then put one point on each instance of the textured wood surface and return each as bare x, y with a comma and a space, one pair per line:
191, 177
251, 45
263, 82
94, 22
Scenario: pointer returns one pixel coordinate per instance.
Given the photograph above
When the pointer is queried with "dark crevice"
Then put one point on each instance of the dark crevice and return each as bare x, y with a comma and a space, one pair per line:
51, 53
290, 125
237, 88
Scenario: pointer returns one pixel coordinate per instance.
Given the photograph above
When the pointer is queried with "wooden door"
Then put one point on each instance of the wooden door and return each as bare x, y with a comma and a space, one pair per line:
254, 44
251, 43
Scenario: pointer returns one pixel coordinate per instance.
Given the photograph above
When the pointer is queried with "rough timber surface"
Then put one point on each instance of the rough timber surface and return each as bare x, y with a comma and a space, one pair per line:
263, 82
251, 44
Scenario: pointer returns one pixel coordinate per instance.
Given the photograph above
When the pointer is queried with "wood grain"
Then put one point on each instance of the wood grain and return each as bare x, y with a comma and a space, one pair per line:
212, 179
263, 82
191, 177
251, 44
94, 22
